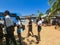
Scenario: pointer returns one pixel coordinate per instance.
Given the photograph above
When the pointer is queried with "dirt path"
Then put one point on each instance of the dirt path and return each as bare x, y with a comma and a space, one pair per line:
49, 36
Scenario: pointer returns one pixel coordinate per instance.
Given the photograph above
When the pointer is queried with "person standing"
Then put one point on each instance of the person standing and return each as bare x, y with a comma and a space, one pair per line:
30, 27
39, 23
1, 34
9, 28
19, 28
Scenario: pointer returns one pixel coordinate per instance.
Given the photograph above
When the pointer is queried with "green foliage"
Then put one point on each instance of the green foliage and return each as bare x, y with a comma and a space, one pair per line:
41, 14
51, 2
55, 5
48, 11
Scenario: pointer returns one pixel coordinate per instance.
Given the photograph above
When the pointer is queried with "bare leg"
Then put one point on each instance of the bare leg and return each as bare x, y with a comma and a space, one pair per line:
28, 33
32, 34
19, 36
38, 39
39, 36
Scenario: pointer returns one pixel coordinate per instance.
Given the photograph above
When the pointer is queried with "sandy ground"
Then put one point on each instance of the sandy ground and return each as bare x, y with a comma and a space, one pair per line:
49, 36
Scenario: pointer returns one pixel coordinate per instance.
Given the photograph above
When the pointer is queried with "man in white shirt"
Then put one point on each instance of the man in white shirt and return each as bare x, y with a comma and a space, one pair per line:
39, 23
9, 28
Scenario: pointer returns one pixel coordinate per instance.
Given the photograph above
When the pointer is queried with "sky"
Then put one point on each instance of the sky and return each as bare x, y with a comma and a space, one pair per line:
24, 7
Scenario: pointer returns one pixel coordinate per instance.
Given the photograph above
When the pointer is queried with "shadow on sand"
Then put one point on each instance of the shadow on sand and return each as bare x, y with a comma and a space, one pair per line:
11, 43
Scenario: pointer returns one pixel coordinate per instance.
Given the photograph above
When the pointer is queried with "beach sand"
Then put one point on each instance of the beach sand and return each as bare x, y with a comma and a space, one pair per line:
49, 36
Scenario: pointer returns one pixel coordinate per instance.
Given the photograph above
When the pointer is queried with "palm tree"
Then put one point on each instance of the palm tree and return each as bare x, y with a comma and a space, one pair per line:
48, 11
51, 2
55, 6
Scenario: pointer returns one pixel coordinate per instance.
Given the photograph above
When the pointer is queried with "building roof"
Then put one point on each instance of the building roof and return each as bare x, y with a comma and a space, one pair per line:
58, 15
30, 16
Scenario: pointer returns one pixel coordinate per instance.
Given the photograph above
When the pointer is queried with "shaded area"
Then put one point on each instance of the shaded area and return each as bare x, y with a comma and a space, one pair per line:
11, 43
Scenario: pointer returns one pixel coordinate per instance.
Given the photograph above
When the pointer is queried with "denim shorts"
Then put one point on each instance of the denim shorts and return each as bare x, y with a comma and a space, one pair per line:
20, 30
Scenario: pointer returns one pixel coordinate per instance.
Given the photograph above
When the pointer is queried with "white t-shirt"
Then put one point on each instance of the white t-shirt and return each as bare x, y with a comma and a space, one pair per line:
32, 20
18, 23
7, 16
8, 21
40, 22
4, 29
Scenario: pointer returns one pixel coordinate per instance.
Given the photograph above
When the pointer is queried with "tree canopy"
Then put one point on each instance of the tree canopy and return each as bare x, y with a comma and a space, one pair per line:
41, 14
55, 6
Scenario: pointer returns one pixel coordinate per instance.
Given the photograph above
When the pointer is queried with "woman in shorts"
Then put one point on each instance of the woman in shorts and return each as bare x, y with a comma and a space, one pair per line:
19, 27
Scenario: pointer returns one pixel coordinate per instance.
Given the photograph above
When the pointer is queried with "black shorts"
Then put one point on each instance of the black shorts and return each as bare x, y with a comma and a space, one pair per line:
30, 28
39, 28
1, 36
10, 30
59, 24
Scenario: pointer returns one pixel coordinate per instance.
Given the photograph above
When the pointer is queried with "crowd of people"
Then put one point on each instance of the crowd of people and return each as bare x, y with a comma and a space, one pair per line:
9, 29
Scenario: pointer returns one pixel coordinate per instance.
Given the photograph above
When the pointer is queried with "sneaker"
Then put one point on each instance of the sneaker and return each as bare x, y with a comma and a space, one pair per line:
37, 42
32, 35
